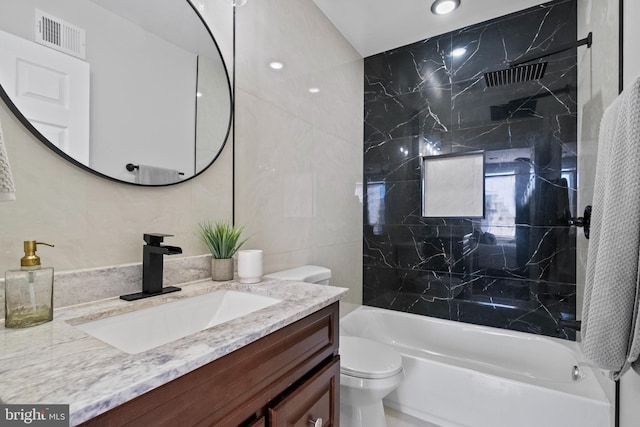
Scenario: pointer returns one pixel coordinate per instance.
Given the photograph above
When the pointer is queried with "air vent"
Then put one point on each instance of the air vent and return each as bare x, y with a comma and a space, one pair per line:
57, 34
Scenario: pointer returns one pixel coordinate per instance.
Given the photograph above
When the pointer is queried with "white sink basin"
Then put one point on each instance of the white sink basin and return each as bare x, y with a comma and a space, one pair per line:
151, 327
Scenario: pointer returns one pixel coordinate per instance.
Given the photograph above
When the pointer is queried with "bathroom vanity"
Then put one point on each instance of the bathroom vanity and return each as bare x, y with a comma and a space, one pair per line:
292, 374
276, 366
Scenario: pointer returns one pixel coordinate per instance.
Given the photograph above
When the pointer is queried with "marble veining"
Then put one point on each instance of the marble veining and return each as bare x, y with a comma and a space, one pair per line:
57, 363
515, 268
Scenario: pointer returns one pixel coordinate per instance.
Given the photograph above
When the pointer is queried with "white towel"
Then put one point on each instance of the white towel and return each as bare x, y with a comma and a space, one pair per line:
610, 329
152, 175
7, 187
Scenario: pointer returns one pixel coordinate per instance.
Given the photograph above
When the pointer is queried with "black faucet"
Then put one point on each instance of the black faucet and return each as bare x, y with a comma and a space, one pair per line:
152, 266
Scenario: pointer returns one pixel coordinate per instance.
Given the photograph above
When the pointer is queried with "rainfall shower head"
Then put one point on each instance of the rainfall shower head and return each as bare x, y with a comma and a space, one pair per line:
517, 74
523, 70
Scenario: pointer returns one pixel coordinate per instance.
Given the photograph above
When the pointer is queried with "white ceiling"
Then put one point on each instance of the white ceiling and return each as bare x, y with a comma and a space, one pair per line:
374, 26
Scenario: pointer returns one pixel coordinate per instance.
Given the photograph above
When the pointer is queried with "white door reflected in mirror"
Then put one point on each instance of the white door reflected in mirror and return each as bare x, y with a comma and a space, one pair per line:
51, 89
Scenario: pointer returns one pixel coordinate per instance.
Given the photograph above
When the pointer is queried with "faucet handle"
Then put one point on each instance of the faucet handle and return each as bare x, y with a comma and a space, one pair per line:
155, 238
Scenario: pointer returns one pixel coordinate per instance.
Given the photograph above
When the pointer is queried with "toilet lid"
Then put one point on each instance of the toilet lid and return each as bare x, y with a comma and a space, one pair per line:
363, 358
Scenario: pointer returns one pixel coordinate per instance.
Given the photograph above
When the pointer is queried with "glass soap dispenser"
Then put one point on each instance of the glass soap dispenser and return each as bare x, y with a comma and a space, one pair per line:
28, 299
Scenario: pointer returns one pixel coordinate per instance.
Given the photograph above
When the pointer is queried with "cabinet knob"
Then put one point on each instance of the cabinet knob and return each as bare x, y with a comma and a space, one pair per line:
316, 423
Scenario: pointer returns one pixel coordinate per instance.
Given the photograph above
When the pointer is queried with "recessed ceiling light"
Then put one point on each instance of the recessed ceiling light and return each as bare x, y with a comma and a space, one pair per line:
198, 94
458, 51
276, 65
314, 89
442, 7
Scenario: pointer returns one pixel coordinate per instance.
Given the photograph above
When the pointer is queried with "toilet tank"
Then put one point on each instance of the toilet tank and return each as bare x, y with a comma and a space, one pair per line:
305, 273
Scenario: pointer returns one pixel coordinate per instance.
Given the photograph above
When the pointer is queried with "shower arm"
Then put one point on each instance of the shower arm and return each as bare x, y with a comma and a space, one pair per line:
586, 41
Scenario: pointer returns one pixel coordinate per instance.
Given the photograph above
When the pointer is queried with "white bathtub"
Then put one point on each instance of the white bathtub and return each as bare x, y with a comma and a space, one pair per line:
462, 375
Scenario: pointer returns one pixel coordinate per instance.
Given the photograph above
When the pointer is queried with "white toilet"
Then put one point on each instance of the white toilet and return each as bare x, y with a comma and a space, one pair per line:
369, 370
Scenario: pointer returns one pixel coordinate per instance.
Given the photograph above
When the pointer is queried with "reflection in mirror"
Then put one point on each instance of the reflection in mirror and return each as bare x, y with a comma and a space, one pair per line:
107, 83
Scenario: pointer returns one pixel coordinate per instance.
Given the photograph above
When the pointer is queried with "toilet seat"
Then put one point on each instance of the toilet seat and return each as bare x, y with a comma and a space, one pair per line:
363, 358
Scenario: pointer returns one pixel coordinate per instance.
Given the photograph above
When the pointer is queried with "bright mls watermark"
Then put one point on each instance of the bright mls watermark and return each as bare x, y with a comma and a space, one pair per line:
34, 415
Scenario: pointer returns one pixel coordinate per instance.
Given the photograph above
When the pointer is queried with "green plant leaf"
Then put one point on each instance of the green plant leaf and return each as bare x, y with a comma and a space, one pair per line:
222, 239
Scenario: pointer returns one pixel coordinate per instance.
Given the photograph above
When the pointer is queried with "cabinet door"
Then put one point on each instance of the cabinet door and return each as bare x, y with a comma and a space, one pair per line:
316, 398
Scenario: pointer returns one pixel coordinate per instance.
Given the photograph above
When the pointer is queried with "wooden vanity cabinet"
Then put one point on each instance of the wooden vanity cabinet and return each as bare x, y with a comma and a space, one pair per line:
315, 399
287, 378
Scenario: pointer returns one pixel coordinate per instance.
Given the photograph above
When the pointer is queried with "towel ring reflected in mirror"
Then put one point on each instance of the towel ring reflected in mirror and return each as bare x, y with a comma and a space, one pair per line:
131, 168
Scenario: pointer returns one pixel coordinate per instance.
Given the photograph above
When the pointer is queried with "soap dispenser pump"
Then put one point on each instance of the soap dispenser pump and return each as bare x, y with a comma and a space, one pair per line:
29, 291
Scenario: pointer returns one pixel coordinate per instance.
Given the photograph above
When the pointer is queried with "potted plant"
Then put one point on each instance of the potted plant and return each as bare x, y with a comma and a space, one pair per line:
223, 241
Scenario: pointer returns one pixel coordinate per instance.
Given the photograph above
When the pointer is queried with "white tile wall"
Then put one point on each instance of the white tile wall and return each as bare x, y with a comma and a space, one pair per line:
298, 154
597, 88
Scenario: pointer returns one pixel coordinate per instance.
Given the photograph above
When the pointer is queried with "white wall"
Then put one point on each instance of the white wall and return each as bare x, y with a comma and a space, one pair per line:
213, 112
95, 222
630, 382
597, 89
156, 126
629, 398
631, 62
298, 154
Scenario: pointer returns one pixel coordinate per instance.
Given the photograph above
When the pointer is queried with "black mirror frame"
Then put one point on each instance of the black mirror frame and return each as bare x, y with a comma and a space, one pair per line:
27, 124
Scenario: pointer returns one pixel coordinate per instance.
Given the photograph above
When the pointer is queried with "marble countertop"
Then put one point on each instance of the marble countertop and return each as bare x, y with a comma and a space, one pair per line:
56, 363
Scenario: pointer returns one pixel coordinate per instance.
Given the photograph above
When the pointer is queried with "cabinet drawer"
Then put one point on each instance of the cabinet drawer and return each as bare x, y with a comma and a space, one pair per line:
262, 422
318, 397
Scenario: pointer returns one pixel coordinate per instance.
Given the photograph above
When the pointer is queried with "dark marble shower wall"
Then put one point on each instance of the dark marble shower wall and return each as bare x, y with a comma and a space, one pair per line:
515, 268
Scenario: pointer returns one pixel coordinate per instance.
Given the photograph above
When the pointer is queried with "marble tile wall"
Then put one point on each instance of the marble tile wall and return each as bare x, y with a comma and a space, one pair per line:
299, 154
515, 268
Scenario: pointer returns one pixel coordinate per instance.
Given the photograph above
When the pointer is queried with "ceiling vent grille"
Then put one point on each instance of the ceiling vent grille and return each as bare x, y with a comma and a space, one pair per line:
57, 34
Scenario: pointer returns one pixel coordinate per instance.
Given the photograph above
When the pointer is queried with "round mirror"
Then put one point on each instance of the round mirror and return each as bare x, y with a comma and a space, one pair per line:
131, 90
